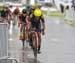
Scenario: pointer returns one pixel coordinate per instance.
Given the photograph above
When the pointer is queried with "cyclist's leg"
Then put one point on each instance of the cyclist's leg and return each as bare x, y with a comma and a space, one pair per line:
35, 44
27, 37
39, 41
9, 19
14, 20
21, 34
30, 37
39, 38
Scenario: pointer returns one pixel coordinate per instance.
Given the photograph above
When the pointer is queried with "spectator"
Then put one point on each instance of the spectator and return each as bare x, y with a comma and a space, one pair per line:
62, 8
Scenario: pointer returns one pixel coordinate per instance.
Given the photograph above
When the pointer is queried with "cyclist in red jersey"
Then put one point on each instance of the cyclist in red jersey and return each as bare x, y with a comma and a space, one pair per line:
15, 15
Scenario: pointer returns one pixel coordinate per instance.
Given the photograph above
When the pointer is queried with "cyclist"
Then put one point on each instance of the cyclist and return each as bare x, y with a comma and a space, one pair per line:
15, 14
5, 14
32, 11
23, 18
28, 8
29, 11
16, 11
9, 14
35, 23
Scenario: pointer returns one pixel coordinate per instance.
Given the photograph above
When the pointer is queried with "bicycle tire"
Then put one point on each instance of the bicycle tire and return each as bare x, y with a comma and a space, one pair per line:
34, 46
23, 40
35, 53
23, 43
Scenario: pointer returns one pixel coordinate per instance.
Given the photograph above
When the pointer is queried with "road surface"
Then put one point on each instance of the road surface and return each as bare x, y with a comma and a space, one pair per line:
58, 44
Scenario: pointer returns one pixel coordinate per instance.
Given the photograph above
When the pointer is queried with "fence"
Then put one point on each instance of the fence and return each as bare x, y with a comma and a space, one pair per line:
4, 45
3, 40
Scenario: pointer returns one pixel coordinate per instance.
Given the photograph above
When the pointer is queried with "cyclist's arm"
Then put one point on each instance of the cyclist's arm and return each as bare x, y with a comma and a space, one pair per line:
27, 19
19, 20
28, 22
43, 23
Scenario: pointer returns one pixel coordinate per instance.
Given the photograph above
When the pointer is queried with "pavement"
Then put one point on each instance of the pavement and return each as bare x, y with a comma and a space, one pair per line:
58, 44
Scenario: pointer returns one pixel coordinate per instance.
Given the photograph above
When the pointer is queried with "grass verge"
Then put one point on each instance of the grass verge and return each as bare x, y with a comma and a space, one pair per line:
54, 14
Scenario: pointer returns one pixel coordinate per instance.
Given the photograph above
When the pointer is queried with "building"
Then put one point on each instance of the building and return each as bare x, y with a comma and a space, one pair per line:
45, 1
33, 2
63, 2
10, 0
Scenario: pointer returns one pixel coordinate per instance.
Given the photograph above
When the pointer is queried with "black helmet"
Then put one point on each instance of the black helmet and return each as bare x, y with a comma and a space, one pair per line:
28, 8
24, 11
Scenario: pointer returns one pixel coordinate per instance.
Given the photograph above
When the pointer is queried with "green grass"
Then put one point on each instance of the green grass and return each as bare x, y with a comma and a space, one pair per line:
70, 22
57, 14
1, 7
54, 14
45, 12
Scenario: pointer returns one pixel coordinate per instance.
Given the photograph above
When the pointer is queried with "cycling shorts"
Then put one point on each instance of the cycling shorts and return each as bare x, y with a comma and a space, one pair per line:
38, 28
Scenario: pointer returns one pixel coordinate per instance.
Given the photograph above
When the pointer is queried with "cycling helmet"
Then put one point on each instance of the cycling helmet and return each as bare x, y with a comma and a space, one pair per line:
28, 8
37, 12
24, 11
33, 8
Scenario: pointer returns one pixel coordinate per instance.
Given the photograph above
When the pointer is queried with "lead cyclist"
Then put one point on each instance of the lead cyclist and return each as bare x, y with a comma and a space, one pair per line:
37, 21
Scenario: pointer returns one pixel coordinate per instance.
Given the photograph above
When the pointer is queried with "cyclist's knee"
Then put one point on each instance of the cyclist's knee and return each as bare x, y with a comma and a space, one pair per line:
39, 34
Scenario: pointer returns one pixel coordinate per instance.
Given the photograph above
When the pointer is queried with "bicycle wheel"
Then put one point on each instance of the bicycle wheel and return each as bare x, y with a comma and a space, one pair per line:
34, 40
23, 43
23, 39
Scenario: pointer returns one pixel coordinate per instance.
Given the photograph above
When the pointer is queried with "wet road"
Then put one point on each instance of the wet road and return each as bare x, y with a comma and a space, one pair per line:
58, 44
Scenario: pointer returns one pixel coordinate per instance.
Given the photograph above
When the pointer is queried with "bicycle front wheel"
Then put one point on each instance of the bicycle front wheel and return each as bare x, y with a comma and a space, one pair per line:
34, 40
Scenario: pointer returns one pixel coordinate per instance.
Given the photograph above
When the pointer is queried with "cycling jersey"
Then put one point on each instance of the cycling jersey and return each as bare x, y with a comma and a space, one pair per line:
22, 18
16, 11
9, 11
36, 23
